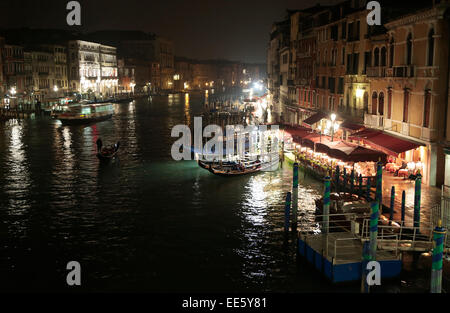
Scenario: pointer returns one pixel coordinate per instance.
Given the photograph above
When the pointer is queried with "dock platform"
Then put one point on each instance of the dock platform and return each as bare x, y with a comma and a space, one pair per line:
338, 255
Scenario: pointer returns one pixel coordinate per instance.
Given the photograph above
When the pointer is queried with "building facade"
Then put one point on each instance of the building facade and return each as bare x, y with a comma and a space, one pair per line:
92, 68
391, 78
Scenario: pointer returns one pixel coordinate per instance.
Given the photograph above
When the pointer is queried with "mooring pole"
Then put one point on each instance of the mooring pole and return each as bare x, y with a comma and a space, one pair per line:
368, 189
287, 211
326, 204
295, 197
417, 194
352, 181
391, 215
438, 251
337, 174
374, 229
403, 205
345, 179
365, 260
360, 189
379, 189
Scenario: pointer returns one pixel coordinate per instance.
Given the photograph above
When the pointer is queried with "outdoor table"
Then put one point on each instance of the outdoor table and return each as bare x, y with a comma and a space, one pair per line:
403, 173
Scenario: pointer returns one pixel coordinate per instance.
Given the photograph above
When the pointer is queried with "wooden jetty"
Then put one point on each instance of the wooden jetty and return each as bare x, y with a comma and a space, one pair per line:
337, 255
340, 251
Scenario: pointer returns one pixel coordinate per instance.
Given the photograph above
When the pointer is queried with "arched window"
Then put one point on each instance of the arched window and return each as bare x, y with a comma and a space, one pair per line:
391, 53
409, 49
389, 105
431, 47
376, 57
426, 109
381, 103
405, 105
366, 102
374, 103
383, 56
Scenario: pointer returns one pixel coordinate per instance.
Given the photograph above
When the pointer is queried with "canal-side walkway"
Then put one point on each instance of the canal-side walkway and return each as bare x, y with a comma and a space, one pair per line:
430, 197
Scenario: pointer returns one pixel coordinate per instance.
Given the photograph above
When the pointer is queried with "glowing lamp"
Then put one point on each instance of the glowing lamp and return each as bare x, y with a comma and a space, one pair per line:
359, 93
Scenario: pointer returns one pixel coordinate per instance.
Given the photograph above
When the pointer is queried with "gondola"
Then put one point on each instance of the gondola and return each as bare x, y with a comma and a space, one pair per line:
106, 153
238, 169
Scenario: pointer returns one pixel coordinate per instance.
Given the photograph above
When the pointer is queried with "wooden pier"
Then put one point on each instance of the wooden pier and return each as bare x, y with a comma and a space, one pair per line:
338, 254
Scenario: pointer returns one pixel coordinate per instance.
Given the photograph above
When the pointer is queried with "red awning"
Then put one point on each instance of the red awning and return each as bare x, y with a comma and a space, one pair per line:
351, 126
314, 119
389, 144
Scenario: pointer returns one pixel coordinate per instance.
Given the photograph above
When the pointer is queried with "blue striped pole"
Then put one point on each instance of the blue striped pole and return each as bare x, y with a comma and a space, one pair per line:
403, 205
287, 212
391, 215
326, 204
438, 251
417, 194
295, 197
374, 230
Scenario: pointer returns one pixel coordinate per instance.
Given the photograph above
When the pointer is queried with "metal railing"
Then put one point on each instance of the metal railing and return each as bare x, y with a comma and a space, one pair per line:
405, 237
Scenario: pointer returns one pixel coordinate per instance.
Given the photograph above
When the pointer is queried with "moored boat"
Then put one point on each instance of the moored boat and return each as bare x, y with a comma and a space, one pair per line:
239, 169
86, 113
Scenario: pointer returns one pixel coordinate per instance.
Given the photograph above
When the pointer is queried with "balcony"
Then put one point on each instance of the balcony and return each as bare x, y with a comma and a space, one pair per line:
375, 121
403, 71
376, 71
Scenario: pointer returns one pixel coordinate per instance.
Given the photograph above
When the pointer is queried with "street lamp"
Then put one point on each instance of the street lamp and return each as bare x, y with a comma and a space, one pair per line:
333, 126
13, 91
55, 88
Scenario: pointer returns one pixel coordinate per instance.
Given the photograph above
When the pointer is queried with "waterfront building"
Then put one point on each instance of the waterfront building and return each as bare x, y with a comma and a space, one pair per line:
43, 74
409, 85
391, 79
59, 68
165, 58
13, 69
279, 39
126, 72
2, 79
92, 68
183, 74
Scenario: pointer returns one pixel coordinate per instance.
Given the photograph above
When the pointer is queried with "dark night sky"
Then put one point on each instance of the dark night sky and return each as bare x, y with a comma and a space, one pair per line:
204, 29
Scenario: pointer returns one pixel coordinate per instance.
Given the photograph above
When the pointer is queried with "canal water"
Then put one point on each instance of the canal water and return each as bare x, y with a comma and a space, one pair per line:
143, 222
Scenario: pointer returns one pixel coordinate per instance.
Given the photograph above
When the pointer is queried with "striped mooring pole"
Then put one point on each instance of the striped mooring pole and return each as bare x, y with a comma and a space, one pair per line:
360, 189
352, 181
365, 260
326, 204
379, 189
438, 251
368, 189
391, 208
295, 197
403, 205
417, 194
287, 212
374, 230
337, 174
